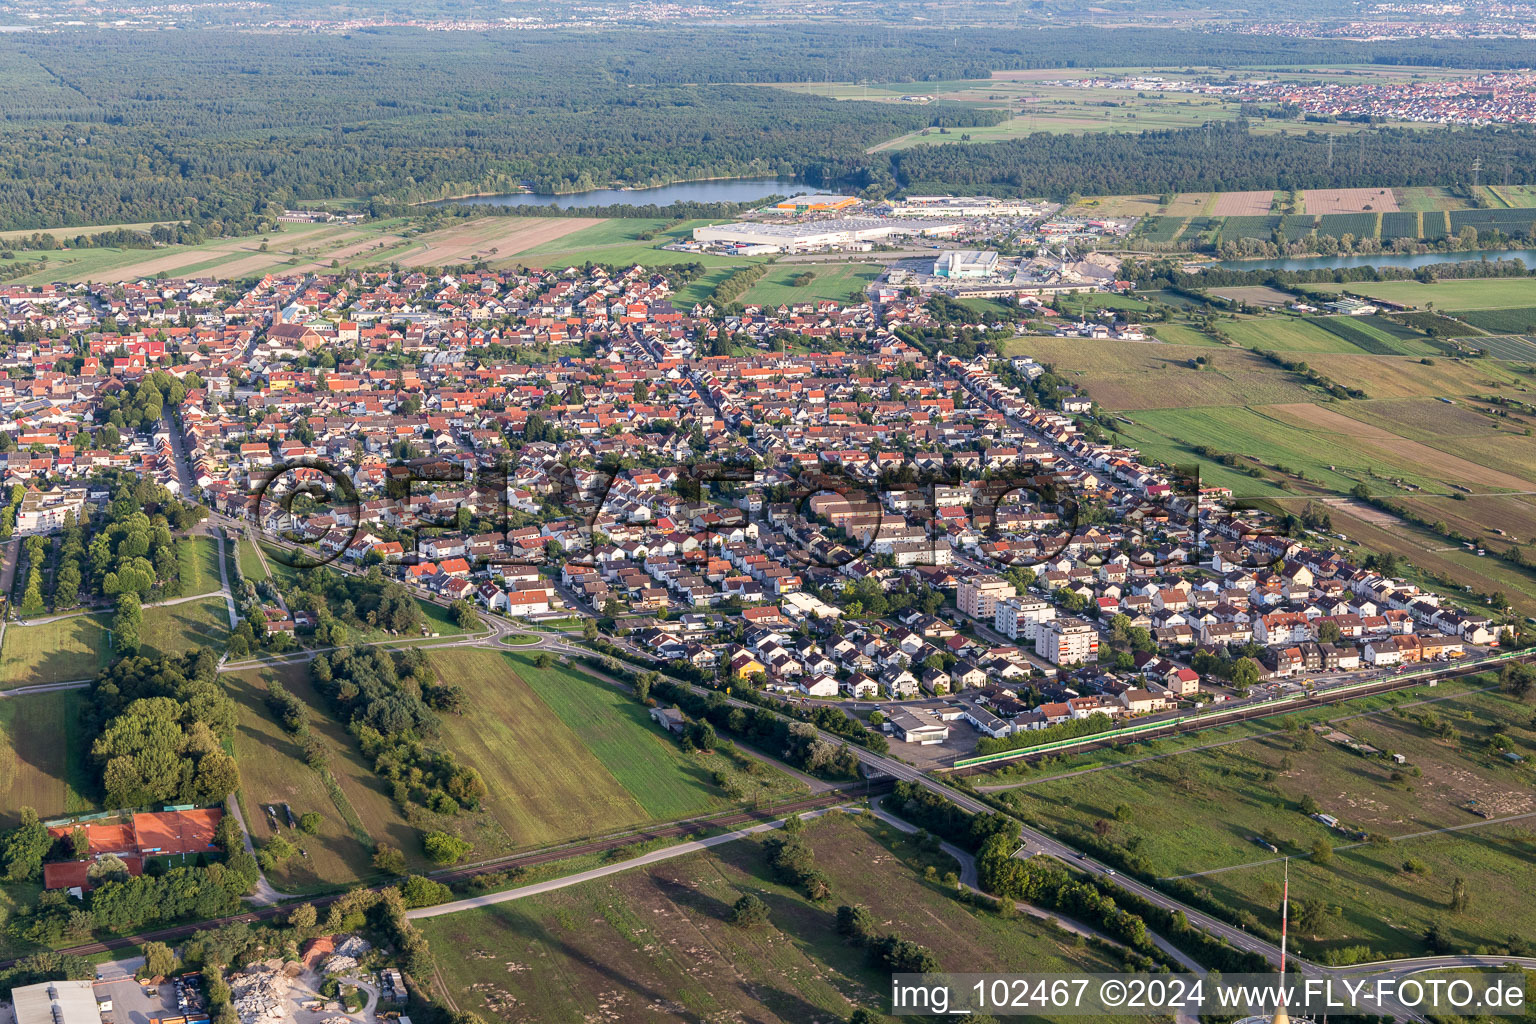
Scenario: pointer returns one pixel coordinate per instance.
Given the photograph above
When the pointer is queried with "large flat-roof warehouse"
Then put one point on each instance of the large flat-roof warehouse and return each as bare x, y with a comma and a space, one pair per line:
818, 234
56, 1002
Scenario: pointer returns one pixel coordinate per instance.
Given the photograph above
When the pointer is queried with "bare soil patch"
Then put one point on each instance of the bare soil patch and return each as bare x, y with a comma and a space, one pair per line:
1243, 204
1350, 200
496, 237
168, 264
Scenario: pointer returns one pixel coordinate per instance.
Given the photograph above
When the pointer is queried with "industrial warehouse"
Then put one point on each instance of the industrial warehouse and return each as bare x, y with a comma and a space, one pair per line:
744, 238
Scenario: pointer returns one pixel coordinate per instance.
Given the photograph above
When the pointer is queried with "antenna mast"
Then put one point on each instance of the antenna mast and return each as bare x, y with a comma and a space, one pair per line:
1285, 914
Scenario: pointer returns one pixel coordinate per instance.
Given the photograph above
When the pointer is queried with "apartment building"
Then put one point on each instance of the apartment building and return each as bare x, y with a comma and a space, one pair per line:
1067, 641
979, 598
1020, 618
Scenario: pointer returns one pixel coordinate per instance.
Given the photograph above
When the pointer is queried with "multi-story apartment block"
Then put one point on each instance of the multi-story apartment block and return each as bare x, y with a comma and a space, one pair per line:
1067, 641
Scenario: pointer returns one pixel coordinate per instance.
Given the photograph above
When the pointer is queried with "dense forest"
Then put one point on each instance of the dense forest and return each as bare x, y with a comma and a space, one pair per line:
223, 129
1227, 157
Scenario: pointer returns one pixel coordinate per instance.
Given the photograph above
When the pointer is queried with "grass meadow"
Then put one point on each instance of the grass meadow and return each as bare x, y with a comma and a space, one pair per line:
42, 756
1241, 790
654, 943
563, 754
273, 771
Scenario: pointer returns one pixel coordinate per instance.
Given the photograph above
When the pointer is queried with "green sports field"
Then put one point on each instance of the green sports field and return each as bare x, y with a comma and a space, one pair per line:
73, 648
199, 560
42, 756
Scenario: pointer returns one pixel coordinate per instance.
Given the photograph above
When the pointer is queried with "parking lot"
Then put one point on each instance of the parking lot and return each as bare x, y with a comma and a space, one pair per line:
131, 1003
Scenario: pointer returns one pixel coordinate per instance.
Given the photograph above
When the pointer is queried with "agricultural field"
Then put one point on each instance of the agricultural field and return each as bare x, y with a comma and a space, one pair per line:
1160, 229
1254, 787
1285, 334
1496, 521
491, 238
312, 248
1520, 347
225, 258
1135, 375
655, 942
838, 282
1475, 293
1349, 200
42, 756
600, 763
1376, 336
1434, 559
1125, 206
1402, 225
1243, 204
1517, 196
1518, 320
273, 771
1257, 432
1262, 227
1427, 198
1442, 458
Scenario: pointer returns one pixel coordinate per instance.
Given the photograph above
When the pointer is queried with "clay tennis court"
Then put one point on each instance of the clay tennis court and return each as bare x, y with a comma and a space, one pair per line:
1349, 200
1243, 204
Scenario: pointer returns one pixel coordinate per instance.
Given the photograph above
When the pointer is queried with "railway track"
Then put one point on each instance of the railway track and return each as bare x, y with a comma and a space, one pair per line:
521, 860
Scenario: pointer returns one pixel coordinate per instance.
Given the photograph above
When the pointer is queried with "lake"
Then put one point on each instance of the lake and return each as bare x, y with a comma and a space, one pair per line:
1409, 260
724, 190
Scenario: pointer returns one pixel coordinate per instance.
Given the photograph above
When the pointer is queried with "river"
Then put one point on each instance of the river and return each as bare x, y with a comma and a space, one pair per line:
1385, 259
722, 190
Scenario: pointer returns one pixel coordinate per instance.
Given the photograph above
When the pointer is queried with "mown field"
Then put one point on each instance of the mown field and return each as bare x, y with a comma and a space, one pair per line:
42, 756
251, 566
311, 248
273, 771
563, 754
654, 943
1285, 334
66, 649
840, 282
172, 629
199, 561
1241, 790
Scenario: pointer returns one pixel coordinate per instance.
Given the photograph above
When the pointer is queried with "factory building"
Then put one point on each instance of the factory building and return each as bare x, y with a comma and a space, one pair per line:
750, 238
966, 264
